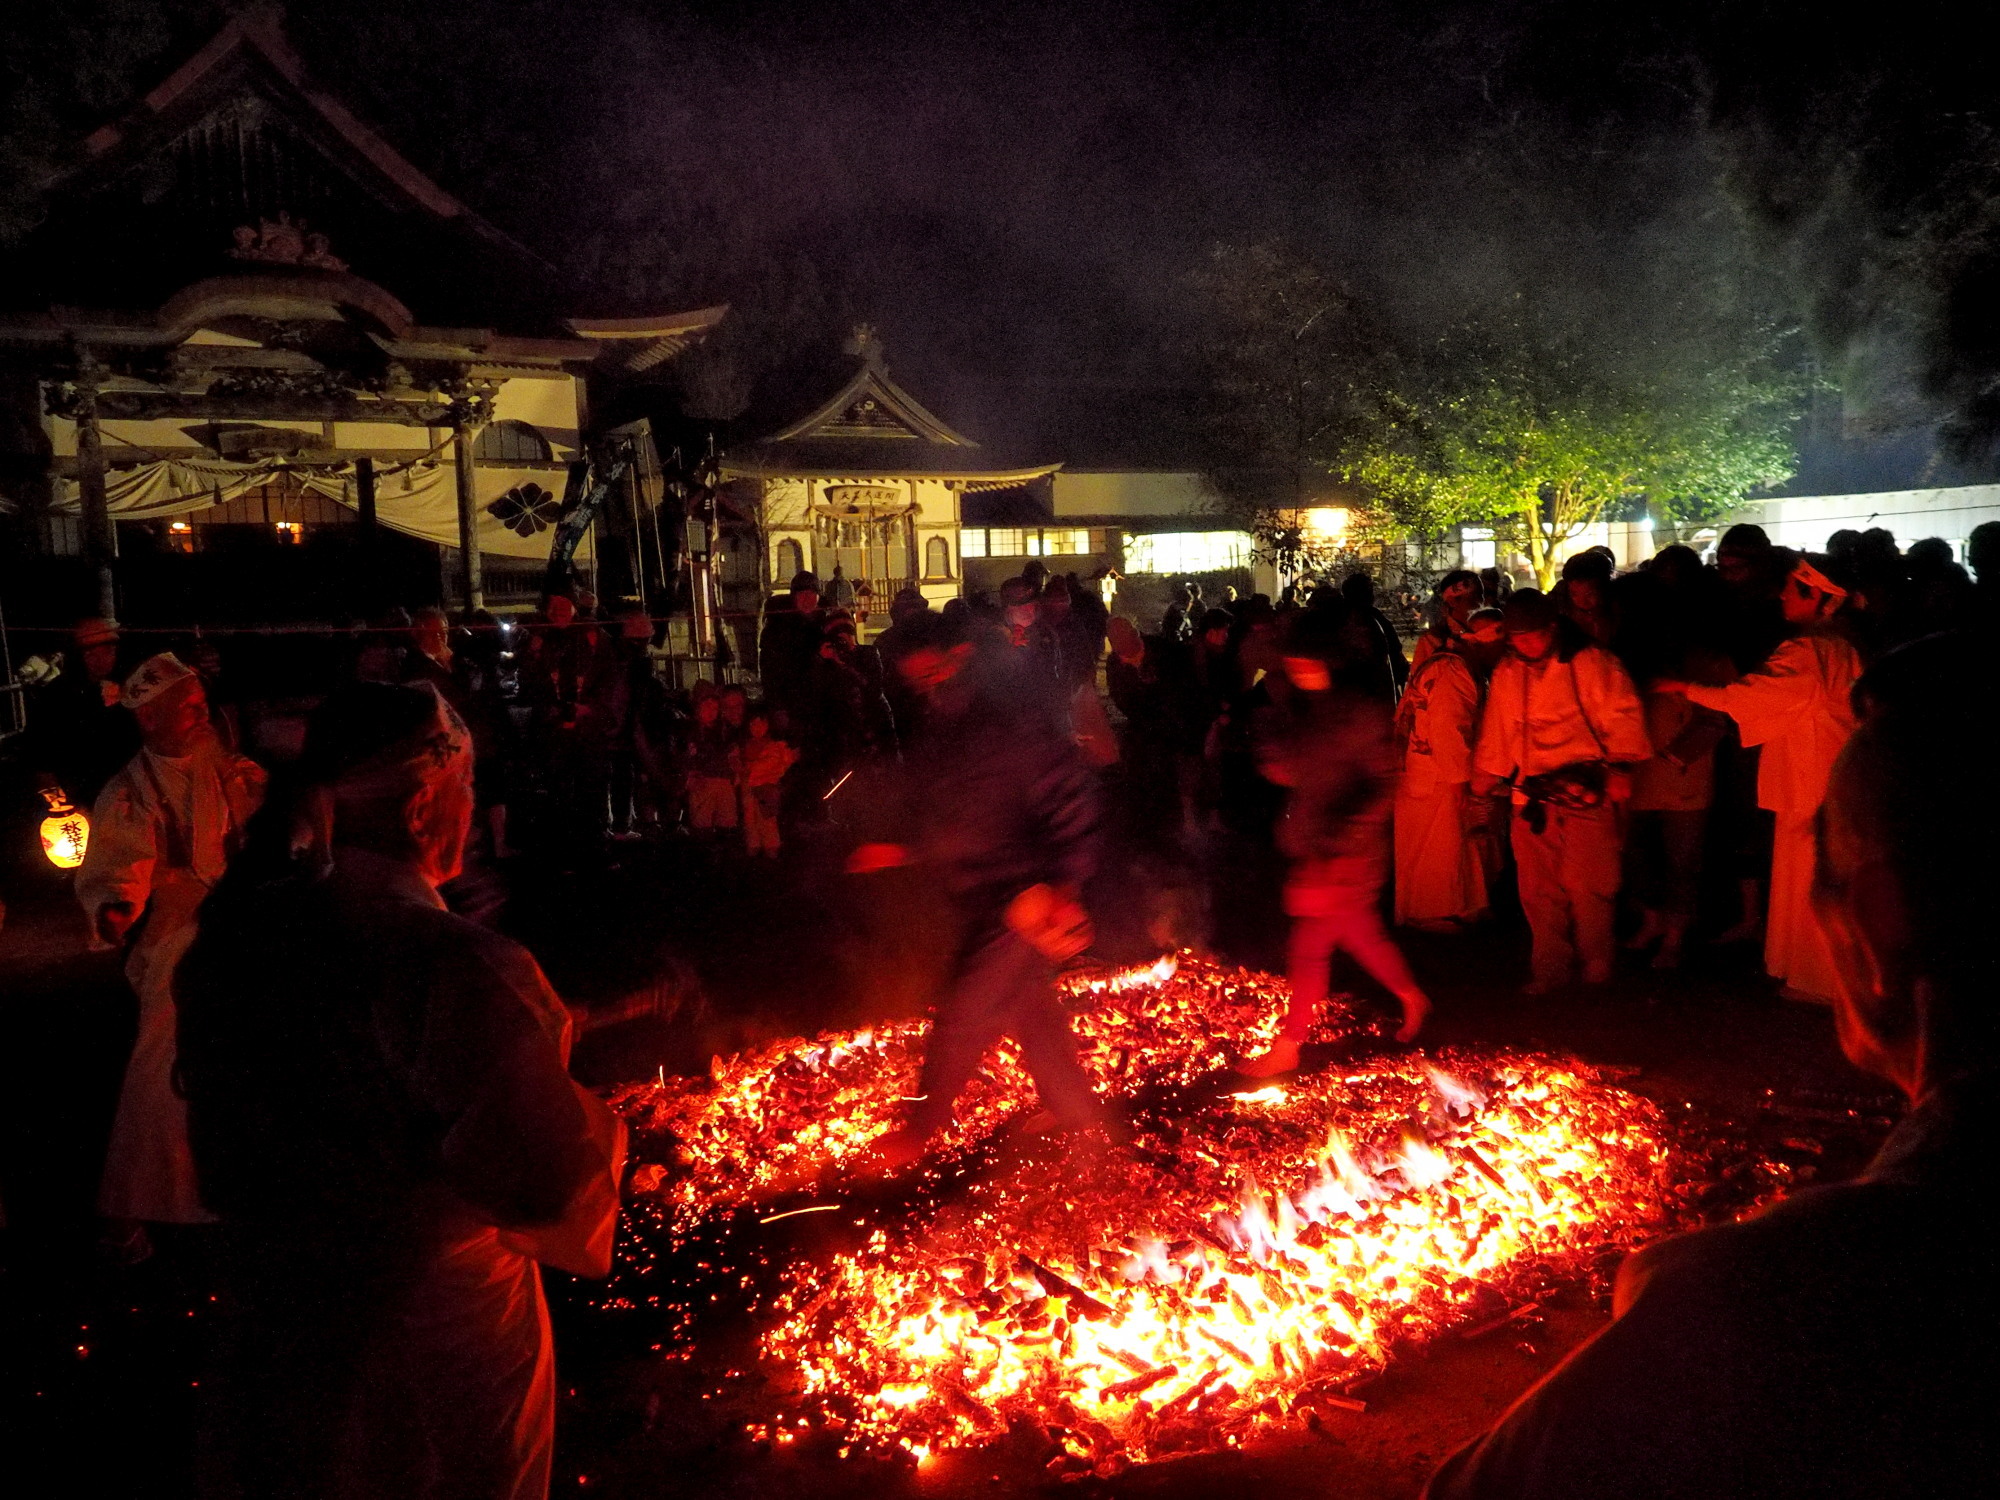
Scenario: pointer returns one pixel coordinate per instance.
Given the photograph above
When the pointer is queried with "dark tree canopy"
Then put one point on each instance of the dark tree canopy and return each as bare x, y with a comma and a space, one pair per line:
1017, 195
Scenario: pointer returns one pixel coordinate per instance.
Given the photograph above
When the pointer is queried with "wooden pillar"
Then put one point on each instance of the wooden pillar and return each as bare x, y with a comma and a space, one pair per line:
100, 532
368, 557
364, 497
471, 596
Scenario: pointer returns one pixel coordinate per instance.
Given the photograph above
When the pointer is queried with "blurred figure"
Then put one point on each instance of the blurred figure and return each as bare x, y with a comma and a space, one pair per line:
711, 765
1796, 706
1333, 753
496, 742
206, 659
1562, 728
790, 644
1440, 869
1457, 596
764, 759
430, 657
1584, 596
162, 831
1003, 812
384, 648
1982, 551
1381, 669
394, 1147
1838, 1345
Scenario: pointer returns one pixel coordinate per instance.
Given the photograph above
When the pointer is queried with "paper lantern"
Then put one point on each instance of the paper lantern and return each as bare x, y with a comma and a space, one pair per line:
65, 831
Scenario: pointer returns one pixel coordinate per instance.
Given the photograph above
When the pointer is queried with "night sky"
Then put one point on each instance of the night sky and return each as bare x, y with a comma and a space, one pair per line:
1018, 195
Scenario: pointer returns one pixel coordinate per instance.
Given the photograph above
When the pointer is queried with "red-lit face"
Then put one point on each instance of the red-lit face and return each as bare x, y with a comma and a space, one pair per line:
707, 711
1801, 605
101, 661
1533, 645
175, 722
929, 668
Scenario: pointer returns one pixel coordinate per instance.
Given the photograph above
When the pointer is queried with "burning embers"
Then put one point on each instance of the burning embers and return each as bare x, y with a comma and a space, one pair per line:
1243, 1264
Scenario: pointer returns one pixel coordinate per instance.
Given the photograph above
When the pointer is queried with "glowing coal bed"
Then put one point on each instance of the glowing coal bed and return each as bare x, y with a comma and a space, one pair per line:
1244, 1264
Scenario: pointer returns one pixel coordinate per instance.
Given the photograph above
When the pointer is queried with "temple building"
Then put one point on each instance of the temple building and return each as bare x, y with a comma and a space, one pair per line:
868, 482
247, 323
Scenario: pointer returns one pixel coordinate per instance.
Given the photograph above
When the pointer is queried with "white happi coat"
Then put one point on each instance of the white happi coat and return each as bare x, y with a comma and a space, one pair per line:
160, 834
1796, 705
1440, 872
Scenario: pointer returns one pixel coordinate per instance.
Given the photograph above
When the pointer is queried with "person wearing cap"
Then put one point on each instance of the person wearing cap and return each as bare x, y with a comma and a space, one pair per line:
162, 831
1561, 729
78, 735
1796, 707
382, 1116
1336, 759
1440, 863
790, 644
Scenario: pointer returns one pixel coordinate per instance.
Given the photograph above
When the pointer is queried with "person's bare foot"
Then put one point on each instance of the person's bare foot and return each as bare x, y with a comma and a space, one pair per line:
1650, 931
1416, 1010
1282, 1057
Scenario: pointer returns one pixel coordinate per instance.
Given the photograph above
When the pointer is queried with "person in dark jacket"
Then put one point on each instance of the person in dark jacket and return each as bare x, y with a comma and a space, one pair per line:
1841, 1343
79, 735
1003, 809
1334, 752
790, 646
1380, 668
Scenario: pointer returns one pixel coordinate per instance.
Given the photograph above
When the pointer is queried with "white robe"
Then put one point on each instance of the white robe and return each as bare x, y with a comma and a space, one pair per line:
1440, 874
160, 835
1796, 705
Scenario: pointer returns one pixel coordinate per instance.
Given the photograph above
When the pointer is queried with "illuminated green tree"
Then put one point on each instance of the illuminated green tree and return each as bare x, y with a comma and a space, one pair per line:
1539, 438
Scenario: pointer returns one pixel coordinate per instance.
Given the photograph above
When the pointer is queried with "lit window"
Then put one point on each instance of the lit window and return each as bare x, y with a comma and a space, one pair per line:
972, 542
1475, 547
1187, 552
1006, 541
1065, 543
1325, 522
511, 443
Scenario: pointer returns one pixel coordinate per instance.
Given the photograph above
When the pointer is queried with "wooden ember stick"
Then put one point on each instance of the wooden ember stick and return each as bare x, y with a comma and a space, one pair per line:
1080, 1301
1222, 1343
1343, 1403
1187, 1397
1138, 1383
1485, 1168
1482, 1329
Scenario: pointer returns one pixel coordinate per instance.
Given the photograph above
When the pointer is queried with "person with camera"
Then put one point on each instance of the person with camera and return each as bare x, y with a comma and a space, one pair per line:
1562, 728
